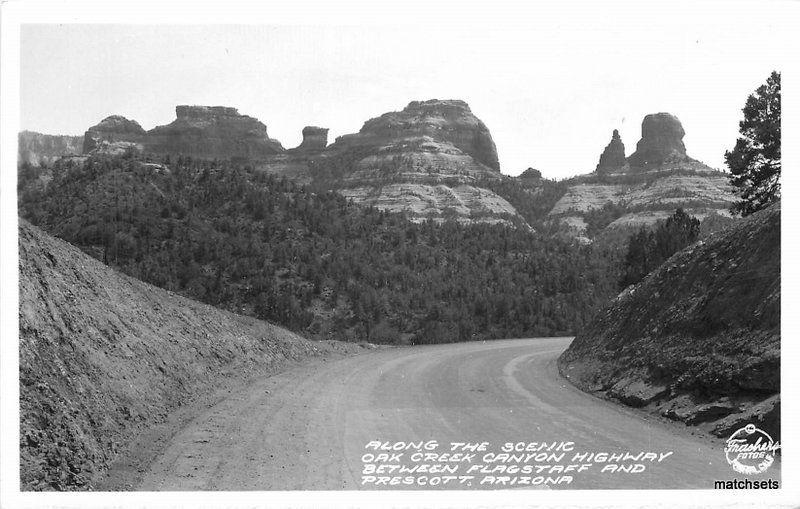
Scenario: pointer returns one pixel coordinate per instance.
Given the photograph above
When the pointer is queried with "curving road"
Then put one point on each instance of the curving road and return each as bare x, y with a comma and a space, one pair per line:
307, 428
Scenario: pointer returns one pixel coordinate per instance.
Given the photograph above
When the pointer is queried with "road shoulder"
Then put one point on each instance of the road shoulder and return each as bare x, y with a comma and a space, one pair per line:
128, 469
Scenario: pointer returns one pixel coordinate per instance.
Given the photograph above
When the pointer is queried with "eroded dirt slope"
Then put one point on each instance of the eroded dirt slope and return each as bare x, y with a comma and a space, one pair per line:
105, 357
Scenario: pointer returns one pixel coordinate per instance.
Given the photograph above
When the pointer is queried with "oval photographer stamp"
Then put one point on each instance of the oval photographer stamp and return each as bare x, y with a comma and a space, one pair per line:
751, 450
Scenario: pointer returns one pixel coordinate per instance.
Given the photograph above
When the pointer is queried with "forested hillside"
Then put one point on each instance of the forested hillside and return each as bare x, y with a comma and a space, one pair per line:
533, 199
698, 340
250, 243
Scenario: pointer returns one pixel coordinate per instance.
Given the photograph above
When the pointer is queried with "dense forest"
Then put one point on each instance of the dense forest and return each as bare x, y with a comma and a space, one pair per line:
650, 247
241, 240
533, 198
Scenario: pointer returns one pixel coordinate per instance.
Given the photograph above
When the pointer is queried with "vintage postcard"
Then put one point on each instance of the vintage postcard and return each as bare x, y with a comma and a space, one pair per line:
412, 254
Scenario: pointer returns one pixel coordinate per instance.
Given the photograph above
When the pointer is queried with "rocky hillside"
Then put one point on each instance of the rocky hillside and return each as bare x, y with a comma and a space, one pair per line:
649, 185
39, 149
426, 160
105, 357
112, 130
698, 340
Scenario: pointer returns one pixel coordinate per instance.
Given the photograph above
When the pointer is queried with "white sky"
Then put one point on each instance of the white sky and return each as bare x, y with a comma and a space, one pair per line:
551, 84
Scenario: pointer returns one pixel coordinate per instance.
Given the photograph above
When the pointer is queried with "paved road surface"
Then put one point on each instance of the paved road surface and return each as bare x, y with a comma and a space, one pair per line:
307, 428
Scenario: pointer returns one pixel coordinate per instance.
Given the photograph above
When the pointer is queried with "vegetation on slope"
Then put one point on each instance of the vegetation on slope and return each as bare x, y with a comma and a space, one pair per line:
649, 248
698, 340
253, 244
533, 198
104, 357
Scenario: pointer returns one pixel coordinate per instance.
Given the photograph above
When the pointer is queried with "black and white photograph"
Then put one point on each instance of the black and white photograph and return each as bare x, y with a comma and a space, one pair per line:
418, 254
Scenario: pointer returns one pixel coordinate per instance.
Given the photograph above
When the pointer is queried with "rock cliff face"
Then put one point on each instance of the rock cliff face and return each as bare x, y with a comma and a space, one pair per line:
654, 181
698, 340
662, 142
315, 139
449, 123
213, 132
613, 157
426, 160
40, 149
420, 201
113, 129
198, 131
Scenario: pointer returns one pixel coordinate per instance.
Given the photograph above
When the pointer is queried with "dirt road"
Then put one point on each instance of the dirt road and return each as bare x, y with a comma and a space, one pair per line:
307, 428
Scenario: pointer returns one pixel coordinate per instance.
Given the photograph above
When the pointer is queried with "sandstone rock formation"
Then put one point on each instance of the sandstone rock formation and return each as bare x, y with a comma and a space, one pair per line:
437, 202
613, 157
654, 181
662, 142
649, 200
446, 126
427, 160
213, 132
115, 128
427, 146
314, 139
39, 149
198, 131
698, 340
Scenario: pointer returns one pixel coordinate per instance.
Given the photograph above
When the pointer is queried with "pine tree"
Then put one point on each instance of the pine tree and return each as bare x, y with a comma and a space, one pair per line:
649, 249
755, 161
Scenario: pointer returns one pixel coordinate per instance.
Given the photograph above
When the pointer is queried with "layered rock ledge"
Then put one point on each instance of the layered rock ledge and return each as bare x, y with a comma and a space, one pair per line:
649, 185
426, 160
199, 131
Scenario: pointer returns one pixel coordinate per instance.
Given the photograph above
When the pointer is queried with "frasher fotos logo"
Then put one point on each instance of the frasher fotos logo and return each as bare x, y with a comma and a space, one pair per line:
751, 450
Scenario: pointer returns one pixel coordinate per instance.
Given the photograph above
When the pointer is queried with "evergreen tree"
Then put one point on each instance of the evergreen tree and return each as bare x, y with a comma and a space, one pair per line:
755, 161
256, 244
649, 249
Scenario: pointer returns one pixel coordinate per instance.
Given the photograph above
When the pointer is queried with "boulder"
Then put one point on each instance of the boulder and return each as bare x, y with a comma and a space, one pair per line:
613, 157
662, 142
